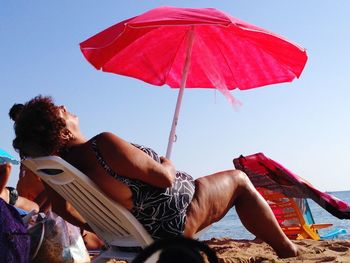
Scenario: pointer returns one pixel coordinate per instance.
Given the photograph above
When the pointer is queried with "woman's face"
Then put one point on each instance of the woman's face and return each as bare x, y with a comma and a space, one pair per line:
72, 121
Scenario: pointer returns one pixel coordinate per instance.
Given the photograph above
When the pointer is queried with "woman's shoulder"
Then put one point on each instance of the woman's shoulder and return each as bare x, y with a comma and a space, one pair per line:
106, 137
108, 141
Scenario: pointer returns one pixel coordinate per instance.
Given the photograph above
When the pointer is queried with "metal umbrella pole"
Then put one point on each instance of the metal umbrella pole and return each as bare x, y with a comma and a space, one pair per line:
185, 70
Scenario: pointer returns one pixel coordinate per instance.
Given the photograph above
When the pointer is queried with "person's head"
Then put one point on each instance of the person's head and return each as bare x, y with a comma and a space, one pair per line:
178, 249
41, 127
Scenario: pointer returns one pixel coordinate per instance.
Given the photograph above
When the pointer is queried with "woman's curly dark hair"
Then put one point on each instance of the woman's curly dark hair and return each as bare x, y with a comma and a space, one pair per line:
38, 128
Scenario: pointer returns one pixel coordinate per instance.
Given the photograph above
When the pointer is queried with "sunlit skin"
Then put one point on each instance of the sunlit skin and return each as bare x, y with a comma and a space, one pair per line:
31, 187
215, 194
23, 203
5, 171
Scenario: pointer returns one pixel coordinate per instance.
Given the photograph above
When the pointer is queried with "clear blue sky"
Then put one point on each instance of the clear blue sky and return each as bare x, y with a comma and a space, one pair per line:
304, 124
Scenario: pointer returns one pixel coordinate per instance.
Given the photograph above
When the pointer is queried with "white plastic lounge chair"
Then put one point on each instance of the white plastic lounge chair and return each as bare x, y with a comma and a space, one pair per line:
110, 221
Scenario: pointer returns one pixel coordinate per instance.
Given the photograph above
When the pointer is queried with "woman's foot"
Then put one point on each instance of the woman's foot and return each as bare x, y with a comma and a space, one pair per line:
289, 250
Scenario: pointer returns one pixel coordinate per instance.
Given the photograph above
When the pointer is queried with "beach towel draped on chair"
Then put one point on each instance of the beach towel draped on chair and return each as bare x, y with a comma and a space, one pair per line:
267, 173
286, 194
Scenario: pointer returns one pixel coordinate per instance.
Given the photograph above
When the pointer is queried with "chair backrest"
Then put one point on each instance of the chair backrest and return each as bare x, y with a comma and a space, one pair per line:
109, 220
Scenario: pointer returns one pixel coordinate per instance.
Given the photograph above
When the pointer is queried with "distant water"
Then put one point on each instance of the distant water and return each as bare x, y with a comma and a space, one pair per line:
230, 226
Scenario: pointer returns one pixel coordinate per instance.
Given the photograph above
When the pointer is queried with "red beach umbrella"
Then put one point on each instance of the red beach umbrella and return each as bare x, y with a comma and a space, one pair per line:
194, 48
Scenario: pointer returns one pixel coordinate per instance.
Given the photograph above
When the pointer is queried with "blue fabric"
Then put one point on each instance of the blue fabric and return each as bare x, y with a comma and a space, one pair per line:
21, 211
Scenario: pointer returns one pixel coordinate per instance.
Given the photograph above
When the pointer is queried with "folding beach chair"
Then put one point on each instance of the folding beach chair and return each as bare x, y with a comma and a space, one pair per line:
287, 195
114, 224
293, 215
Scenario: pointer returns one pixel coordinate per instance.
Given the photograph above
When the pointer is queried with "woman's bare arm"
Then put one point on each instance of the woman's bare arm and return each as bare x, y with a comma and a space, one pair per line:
21, 202
26, 204
5, 171
129, 161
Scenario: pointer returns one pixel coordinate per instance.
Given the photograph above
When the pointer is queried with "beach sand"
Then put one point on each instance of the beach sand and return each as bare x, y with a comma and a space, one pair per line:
229, 250
247, 251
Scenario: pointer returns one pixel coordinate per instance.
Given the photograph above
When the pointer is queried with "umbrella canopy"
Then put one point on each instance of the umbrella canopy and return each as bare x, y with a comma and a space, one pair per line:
267, 173
7, 158
194, 48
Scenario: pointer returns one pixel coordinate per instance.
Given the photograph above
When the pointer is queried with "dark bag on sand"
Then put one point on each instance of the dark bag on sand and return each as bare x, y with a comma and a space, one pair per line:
14, 239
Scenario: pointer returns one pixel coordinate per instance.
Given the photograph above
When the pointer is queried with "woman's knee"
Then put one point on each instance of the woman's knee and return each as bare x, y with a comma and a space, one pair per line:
240, 178
241, 181
229, 179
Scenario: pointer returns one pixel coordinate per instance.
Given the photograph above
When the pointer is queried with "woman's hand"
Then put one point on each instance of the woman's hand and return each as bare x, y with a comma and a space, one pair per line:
169, 166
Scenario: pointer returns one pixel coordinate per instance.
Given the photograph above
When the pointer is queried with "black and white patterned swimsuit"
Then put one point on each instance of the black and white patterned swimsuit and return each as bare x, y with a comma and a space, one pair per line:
162, 211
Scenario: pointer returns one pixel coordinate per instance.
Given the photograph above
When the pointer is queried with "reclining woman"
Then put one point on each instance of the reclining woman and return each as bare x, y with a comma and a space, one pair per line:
165, 201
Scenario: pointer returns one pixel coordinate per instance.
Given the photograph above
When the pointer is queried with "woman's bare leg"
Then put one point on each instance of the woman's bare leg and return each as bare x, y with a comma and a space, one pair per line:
217, 193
